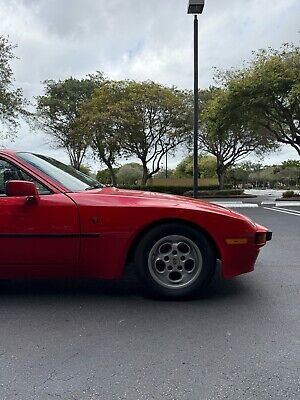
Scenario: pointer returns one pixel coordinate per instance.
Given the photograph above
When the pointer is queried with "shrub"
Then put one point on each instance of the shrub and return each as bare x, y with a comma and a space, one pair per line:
290, 193
128, 174
204, 191
216, 193
178, 190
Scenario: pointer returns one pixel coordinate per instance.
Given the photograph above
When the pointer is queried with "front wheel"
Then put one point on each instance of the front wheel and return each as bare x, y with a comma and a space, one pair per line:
175, 261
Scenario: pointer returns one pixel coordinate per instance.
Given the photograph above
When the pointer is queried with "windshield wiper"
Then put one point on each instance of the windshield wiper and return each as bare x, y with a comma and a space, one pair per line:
96, 186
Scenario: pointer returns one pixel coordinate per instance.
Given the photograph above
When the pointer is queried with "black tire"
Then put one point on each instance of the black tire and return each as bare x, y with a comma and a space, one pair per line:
147, 263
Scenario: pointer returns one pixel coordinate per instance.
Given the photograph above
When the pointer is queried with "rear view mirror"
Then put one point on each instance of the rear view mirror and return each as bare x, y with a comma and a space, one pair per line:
22, 189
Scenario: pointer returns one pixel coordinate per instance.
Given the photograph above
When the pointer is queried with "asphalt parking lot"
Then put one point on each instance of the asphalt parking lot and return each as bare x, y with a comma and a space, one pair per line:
104, 340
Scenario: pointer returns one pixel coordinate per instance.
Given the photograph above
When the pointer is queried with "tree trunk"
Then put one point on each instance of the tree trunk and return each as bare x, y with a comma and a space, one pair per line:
74, 160
77, 165
221, 176
108, 161
144, 178
112, 174
145, 175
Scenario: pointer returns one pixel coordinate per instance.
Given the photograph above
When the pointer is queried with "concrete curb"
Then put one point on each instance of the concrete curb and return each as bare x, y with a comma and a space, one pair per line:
235, 205
287, 203
268, 203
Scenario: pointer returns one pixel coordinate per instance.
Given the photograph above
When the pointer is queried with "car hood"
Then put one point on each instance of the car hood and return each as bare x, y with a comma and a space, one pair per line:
143, 198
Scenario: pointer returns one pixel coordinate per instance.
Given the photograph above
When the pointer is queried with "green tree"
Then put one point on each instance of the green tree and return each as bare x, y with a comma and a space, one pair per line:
237, 175
58, 113
161, 174
11, 100
185, 168
207, 167
268, 176
104, 176
225, 134
155, 120
85, 169
240, 173
289, 173
129, 174
100, 119
268, 92
144, 120
292, 164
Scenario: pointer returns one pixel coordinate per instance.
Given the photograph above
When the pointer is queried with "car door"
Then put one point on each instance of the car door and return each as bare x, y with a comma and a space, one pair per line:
36, 238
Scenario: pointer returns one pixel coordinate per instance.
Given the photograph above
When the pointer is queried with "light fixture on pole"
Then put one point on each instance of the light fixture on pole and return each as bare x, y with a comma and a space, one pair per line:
196, 7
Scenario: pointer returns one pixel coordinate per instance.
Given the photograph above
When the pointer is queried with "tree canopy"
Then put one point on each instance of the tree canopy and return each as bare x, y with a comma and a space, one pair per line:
268, 93
144, 120
226, 134
100, 119
285, 175
155, 119
253, 111
207, 167
130, 174
11, 99
58, 113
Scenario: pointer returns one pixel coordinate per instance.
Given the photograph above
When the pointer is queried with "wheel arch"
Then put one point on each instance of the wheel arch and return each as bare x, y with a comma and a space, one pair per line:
132, 248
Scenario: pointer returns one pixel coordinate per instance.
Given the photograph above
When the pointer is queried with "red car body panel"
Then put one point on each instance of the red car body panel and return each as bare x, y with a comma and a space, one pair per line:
43, 237
92, 233
124, 215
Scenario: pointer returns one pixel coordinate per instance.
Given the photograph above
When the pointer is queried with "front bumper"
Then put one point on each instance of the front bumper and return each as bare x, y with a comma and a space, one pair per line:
240, 256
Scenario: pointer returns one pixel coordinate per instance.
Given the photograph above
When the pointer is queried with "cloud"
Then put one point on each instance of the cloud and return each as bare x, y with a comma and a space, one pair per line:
138, 40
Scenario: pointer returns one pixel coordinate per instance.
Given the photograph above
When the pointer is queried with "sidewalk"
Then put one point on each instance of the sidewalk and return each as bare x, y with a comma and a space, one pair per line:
240, 204
277, 193
267, 197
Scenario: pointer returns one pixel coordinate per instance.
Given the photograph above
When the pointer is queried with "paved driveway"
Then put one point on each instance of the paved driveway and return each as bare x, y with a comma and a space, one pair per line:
96, 340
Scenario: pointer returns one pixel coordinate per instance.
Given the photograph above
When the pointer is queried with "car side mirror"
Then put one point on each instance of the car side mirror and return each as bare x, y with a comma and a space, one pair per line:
22, 189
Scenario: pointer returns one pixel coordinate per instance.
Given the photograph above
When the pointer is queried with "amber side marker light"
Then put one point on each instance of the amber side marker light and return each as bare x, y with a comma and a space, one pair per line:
237, 241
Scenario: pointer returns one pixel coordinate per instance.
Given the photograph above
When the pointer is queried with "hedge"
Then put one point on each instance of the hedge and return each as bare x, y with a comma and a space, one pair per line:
290, 194
216, 193
181, 190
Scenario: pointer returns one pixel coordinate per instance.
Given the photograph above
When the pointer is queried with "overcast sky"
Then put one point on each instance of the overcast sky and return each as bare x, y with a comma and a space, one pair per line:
137, 39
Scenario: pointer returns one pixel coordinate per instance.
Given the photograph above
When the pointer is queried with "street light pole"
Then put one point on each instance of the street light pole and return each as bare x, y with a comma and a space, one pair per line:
196, 109
196, 7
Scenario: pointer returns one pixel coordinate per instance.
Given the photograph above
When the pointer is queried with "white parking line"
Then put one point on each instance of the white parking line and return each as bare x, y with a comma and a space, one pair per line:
287, 209
285, 212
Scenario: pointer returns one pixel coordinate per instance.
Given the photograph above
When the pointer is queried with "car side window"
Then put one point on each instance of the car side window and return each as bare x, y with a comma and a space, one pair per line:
9, 172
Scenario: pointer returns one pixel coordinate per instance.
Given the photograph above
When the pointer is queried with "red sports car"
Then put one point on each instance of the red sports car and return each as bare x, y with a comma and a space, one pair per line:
58, 222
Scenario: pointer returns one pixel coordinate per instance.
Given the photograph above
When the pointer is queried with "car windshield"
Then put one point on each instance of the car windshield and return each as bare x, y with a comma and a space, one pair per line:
70, 178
